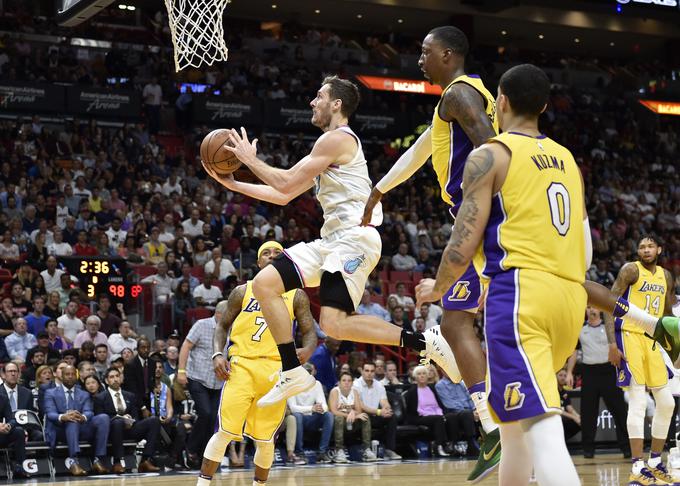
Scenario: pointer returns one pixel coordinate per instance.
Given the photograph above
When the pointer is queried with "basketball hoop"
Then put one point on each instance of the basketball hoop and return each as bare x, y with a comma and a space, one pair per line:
197, 32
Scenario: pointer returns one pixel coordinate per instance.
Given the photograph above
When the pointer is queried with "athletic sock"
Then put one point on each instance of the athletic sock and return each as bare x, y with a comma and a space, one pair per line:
638, 464
413, 340
478, 395
654, 460
289, 359
204, 480
257, 482
634, 313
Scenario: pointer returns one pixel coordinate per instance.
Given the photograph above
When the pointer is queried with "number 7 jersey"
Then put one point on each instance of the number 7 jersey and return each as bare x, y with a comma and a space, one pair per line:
536, 219
249, 336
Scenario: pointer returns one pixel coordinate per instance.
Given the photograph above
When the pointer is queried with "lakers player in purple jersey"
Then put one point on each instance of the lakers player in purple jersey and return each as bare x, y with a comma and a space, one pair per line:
464, 119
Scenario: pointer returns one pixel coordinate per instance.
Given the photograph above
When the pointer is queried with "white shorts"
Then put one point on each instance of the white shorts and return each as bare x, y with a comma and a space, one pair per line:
353, 252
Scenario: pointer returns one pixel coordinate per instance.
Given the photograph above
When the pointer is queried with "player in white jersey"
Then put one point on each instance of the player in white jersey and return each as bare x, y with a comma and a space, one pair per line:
341, 260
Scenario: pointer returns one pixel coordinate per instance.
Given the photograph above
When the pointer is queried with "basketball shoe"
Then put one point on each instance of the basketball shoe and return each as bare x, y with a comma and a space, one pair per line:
489, 456
439, 351
667, 334
661, 472
645, 478
289, 383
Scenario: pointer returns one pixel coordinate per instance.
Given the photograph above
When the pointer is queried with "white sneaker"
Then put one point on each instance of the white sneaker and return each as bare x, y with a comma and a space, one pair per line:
368, 456
390, 455
340, 457
290, 383
439, 351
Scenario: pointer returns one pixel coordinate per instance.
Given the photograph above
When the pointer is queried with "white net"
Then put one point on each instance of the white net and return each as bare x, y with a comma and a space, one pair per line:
197, 32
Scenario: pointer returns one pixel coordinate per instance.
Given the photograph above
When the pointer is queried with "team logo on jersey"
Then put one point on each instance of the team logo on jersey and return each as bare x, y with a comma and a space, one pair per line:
651, 287
351, 265
622, 376
540, 146
460, 292
253, 306
514, 399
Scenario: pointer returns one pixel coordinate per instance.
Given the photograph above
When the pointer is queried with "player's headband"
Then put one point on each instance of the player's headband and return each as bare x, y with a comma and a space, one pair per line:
267, 245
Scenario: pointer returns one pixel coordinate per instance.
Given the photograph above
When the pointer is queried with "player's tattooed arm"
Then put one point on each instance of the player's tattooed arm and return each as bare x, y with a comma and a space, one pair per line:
473, 215
627, 275
305, 321
234, 305
465, 104
670, 294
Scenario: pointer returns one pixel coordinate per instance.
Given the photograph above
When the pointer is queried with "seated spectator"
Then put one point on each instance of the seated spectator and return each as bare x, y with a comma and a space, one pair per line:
345, 405
406, 301
58, 247
154, 250
64, 290
379, 369
93, 386
219, 266
391, 377
36, 320
423, 407
91, 333
9, 251
162, 283
52, 306
69, 324
85, 369
70, 418
84, 353
367, 307
399, 318
126, 422
185, 416
402, 261
83, 246
36, 360
37, 256
186, 275
183, 301
20, 306
13, 436
323, 360
202, 254
193, 226
52, 275
78, 296
427, 314
6, 317
207, 294
124, 338
54, 340
20, 341
374, 403
571, 420
459, 412
20, 397
109, 320
311, 412
174, 265
171, 362
101, 359
43, 376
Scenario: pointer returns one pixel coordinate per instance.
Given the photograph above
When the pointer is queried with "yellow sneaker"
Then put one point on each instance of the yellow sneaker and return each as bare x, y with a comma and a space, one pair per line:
661, 472
645, 478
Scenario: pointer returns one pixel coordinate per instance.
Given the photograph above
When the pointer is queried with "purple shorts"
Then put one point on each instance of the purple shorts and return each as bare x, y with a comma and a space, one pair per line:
464, 294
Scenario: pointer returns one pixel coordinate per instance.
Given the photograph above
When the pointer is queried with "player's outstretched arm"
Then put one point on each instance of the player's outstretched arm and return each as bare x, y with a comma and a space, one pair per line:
234, 305
478, 188
628, 274
330, 148
405, 166
305, 320
464, 104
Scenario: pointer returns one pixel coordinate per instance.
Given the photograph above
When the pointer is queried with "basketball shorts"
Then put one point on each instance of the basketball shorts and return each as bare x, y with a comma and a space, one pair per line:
464, 294
641, 362
354, 252
239, 414
532, 320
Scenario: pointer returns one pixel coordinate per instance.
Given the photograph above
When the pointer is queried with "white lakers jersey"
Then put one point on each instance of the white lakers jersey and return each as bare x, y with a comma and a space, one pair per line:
342, 191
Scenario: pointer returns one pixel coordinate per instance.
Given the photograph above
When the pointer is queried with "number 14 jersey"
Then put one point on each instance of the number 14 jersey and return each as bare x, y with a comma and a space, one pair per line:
249, 336
648, 293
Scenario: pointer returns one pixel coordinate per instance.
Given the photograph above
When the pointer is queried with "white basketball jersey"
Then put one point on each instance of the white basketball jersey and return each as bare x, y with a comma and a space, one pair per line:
342, 191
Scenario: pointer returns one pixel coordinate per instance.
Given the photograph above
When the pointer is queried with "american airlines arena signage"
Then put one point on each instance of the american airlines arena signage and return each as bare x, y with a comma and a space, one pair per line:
660, 3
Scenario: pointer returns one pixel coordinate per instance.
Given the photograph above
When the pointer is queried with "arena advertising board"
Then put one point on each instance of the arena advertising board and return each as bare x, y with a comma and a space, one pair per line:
32, 97
101, 102
662, 107
227, 112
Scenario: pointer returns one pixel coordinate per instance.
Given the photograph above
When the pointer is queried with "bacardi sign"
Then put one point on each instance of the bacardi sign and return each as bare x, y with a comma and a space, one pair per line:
662, 107
398, 84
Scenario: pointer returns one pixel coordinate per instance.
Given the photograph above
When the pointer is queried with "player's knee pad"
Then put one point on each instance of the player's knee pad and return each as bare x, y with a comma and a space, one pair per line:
665, 405
637, 404
217, 445
264, 455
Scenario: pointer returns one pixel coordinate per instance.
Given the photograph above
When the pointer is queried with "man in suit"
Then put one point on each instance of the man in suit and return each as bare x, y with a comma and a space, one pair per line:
70, 418
13, 435
126, 422
19, 397
138, 374
57, 368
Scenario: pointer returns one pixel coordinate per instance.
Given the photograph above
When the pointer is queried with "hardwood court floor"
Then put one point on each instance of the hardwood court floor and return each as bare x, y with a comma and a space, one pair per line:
604, 470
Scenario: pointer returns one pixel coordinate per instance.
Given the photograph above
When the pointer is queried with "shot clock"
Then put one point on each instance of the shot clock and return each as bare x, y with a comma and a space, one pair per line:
102, 275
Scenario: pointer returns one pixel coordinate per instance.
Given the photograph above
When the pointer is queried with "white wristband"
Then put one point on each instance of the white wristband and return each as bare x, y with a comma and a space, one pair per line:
219, 353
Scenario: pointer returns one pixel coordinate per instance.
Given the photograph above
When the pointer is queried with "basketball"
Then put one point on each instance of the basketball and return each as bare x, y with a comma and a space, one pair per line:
215, 156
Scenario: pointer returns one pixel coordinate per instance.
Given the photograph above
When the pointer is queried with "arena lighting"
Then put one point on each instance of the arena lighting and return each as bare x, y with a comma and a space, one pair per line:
662, 107
122, 6
660, 3
397, 84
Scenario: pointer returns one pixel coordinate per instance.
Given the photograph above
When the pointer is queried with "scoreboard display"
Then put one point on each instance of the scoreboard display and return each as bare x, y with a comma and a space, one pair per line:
102, 275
